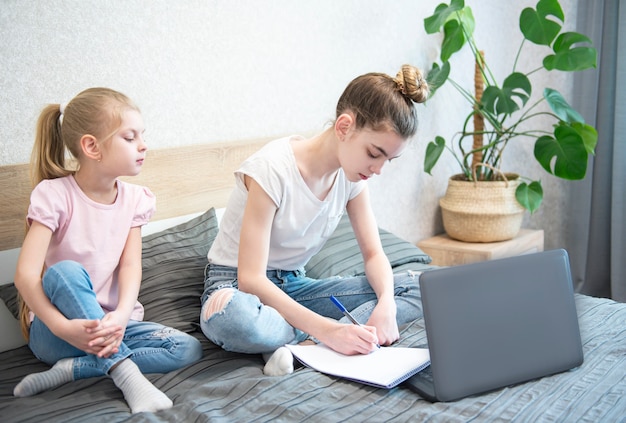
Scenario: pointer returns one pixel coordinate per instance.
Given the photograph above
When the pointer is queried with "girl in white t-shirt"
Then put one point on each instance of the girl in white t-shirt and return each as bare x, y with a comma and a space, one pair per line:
79, 269
288, 200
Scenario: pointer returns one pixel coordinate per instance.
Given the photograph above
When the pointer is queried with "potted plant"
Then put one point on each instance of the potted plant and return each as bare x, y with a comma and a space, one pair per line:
501, 112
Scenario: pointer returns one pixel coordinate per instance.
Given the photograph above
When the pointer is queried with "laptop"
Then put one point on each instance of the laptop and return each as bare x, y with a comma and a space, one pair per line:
497, 323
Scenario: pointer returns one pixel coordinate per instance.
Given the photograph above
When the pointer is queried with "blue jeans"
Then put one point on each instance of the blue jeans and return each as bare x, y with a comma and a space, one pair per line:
246, 325
153, 347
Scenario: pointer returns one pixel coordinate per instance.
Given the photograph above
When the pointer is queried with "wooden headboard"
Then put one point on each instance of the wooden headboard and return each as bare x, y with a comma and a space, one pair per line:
185, 180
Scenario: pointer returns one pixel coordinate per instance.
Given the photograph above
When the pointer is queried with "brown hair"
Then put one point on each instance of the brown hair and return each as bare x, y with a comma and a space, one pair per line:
379, 101
94, 111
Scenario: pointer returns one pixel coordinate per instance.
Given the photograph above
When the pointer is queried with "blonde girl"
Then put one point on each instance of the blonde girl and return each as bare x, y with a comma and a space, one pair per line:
288, 200
81, 313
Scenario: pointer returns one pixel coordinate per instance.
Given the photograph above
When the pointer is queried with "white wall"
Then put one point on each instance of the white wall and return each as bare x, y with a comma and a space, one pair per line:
206, 71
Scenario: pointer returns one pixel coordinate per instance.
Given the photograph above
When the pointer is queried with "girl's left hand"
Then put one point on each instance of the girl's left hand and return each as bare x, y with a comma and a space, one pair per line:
384, 319
109, 343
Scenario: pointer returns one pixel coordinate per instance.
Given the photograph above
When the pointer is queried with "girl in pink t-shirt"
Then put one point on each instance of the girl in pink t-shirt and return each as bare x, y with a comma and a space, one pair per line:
79, 269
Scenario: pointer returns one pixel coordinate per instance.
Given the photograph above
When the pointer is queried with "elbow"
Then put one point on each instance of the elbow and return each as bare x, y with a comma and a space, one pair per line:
20, 279
245, 280
374, 255
252, 276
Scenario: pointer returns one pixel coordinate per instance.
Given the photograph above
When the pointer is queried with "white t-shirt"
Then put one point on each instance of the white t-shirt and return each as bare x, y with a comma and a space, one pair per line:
91, 233
302, 223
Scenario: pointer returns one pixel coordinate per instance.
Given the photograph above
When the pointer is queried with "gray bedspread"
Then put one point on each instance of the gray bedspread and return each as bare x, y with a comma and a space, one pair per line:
230, 387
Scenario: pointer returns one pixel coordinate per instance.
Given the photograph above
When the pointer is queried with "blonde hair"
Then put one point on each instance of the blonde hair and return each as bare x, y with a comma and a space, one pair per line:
381, 102
94, 111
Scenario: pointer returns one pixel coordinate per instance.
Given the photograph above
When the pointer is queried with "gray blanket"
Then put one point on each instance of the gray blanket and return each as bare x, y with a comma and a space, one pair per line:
228, 387
231, 387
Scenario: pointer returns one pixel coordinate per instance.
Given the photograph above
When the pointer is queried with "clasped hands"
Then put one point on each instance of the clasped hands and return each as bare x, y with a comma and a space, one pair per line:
101, 337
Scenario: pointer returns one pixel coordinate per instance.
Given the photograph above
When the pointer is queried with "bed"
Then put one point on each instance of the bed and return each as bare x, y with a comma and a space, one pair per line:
194, 182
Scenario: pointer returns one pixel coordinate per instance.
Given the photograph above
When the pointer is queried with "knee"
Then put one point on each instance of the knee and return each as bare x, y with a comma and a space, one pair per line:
63, 273
66, 266
245, 325
179, 348
217, 302
406, 282
193, 349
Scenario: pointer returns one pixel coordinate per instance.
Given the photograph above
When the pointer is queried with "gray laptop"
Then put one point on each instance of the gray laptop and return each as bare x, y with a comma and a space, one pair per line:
497, 323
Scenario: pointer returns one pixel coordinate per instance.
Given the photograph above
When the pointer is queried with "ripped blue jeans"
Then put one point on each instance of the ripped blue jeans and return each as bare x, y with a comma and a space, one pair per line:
153, 347
248, 326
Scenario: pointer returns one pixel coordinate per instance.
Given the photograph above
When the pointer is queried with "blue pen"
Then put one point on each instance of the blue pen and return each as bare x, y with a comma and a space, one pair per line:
346, 312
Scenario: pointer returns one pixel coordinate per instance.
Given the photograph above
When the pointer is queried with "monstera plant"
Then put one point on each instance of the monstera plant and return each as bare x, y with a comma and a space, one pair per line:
501, 112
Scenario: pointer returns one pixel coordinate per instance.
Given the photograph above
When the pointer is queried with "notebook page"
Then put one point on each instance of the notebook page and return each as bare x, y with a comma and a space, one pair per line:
385, 367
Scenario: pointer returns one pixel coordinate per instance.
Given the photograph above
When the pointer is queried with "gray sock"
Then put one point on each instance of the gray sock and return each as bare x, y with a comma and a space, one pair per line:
61, 373
140, 394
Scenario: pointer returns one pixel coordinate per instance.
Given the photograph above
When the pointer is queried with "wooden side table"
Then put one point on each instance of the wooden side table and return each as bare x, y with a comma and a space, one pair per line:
446, 251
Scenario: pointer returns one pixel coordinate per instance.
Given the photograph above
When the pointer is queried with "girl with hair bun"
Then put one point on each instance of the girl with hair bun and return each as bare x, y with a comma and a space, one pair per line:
79, 269
288, 200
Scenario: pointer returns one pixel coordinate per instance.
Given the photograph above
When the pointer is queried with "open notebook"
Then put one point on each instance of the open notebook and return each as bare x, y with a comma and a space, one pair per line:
384, 368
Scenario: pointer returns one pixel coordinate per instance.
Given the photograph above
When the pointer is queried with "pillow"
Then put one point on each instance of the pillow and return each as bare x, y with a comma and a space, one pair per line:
341, 256
173, 262
8, 294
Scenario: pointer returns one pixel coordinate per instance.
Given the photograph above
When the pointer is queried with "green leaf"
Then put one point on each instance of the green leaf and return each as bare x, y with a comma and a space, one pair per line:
529, 196
550, 7
536, 26
589, 135
502, 100
565, 155
567, 39
453, 39
437, 77
433, 152
457, 22
465, 18
443, 12
568, 58
561, 107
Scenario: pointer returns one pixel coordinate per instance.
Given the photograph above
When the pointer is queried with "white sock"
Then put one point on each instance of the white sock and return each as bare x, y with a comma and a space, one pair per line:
278, 363
61, 373
140, 394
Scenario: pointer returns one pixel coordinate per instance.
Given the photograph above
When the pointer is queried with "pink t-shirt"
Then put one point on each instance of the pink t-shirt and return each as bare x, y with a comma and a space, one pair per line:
91, 233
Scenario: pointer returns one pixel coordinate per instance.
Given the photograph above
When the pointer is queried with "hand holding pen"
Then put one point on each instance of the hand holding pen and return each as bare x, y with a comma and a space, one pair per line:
346, 313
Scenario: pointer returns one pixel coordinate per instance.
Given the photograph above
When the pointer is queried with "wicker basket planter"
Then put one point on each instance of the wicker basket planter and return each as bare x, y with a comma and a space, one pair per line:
483, 211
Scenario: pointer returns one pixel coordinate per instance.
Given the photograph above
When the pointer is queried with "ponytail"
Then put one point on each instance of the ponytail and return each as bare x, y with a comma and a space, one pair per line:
49, 154
24, 317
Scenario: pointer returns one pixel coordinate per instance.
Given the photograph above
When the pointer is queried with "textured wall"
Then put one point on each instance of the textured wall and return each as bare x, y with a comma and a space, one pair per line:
206, 71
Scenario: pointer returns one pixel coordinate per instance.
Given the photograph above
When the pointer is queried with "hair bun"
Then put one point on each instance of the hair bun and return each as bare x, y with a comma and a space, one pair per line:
412, 84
